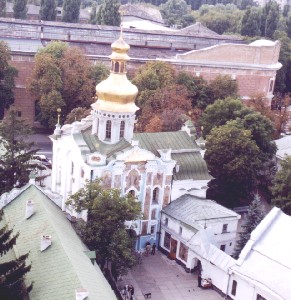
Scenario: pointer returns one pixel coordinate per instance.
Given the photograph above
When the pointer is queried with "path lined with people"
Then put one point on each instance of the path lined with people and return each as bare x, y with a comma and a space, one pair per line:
159, 278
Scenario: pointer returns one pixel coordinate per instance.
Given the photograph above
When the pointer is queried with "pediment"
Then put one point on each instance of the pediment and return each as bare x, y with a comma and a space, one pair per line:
136, 154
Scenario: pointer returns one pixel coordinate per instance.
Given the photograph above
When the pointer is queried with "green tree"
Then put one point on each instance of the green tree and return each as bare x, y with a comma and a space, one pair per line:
108, 13
12, 273
254, 216
198, 88
174, 10
20, 9
7, 76
48, 10
15, 165
71, 11
251, 22
62, 77
272, 19
232, 159
99, 72
2, 8
93, 13
151, 77
105, 230
281, 189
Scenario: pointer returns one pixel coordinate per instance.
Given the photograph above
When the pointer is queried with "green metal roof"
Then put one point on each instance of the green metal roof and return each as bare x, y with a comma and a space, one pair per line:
190, 209
63, 267
184, 150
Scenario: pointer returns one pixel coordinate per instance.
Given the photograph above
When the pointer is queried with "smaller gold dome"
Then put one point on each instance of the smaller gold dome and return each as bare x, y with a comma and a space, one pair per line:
119, 49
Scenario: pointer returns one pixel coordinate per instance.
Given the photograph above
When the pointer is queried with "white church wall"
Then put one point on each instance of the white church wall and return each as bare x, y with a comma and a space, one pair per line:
193, 187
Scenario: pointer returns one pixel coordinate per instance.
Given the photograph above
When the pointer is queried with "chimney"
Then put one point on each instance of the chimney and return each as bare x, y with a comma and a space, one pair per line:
29, 210
81, 294
46, 241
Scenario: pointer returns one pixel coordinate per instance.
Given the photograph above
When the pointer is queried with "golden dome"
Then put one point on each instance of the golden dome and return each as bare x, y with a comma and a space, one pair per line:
117, 93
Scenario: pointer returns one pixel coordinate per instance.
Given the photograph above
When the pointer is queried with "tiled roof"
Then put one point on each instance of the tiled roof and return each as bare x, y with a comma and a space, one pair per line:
184, 150
63, 267
190, 209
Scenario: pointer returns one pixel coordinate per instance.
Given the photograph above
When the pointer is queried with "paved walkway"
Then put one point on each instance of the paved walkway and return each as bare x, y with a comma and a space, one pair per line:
165, 280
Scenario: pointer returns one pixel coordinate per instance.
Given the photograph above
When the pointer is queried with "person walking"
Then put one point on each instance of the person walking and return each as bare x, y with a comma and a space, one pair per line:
131, 291
148, 249
153, 249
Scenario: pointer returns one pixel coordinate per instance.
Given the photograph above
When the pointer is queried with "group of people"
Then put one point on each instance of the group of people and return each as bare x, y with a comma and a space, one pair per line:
150, 249
128, 292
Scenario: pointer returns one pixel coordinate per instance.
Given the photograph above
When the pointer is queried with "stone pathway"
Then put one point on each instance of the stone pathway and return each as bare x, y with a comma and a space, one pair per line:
165, 280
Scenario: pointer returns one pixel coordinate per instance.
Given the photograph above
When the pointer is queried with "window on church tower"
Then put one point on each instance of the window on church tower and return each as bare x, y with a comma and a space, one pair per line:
155, 196
116, 67
121, 67
122, 127
108, 129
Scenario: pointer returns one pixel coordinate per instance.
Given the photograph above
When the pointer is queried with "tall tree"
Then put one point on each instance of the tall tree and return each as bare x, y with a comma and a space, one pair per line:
48, 10
105, 230
108, 13
12, 273
232, 159
20, 9
174, 10
2, 8
62, 77
15, 165
254, 216
7, 76
71, 11
93, 13
251, 22
272, 19
281, 189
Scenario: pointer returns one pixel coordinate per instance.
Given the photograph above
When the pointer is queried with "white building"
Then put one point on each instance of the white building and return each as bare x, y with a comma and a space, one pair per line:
263, 270
151, 166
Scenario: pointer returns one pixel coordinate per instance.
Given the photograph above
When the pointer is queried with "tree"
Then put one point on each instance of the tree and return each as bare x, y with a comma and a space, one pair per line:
77, 114
170, 104
151, 77
62, 78
99, 72
71, 11
15, 165
281, 189
199, 91
220, 112
232, 159
93, 13
174, 10
48, 10
7, 76
12, 273
2, 8
105, 230
272, 19
254, 216
108, 13
20, 9
251, 22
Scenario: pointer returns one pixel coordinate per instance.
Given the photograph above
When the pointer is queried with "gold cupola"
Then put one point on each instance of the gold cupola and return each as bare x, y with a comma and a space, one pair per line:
117, 93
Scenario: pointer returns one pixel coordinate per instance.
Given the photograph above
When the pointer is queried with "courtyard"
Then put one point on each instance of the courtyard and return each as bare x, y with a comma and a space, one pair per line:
165, 280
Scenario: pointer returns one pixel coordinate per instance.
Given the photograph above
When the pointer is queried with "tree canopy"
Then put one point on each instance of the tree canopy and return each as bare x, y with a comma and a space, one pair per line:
281, 188
20, 9
71, 11
62, 78
7, 76
105, 230
15, 165
254, 216
108, 13
48, 10
12, 273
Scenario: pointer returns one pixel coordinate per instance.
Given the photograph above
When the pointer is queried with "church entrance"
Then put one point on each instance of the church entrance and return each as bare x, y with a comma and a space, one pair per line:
173, 249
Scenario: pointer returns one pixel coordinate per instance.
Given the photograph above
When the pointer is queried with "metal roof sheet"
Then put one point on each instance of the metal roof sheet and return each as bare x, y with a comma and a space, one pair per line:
62, 268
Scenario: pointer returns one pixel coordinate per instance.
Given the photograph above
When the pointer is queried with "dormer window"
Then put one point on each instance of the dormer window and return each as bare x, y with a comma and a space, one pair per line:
108, 130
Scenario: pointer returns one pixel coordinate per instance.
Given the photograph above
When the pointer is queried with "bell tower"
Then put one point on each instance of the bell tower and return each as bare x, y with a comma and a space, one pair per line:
114, 111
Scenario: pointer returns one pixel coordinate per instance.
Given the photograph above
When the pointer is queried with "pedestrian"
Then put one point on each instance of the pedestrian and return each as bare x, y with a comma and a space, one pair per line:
131, 291
148, 249
153, 249
125, 291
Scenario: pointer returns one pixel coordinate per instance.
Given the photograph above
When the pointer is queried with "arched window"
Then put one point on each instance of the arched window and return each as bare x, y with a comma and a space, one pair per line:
155, 198
108, 129
153, 214
116, 67
121, 67
122, 126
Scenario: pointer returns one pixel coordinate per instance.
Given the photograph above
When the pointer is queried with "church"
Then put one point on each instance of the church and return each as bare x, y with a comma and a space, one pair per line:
156, 168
